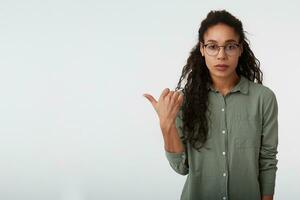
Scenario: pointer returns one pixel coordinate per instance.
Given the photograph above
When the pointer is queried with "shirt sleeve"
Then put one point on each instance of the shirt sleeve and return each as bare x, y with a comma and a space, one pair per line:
178, 161
269, 142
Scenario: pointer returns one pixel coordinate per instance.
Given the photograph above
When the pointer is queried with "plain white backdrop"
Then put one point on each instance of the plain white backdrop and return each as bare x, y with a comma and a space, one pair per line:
73, 122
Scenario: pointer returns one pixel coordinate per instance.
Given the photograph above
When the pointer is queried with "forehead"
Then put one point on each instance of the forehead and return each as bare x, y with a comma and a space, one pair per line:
220, 33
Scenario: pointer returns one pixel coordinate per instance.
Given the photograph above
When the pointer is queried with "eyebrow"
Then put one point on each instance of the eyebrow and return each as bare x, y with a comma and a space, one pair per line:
230, 40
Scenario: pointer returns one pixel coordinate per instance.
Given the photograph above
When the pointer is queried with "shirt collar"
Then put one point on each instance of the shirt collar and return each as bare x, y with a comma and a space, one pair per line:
242, 86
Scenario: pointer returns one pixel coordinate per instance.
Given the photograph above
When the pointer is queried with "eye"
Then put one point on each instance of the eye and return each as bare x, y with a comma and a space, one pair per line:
231, 46
212, 46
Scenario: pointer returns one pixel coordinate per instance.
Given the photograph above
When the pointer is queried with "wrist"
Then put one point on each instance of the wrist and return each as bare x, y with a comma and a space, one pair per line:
167, 125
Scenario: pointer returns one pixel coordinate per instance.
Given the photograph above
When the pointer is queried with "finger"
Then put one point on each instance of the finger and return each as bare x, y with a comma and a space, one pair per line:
180, 99
151, 99
174, 97
164, 93
169, 96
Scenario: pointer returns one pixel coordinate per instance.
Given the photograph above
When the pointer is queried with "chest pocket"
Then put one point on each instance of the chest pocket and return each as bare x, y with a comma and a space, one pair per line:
247, 130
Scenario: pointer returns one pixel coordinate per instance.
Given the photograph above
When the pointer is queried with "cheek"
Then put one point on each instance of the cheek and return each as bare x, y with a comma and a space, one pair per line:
209, 63
234, 63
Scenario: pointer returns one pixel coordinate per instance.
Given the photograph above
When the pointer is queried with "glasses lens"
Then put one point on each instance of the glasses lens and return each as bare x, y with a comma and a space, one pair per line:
231, 49
212, 49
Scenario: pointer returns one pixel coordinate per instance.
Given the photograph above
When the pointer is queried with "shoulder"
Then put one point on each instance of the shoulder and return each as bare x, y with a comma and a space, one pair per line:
264, 92
265, 96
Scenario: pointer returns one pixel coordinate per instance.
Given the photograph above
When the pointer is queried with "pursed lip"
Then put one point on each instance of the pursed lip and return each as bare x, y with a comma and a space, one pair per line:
221, 65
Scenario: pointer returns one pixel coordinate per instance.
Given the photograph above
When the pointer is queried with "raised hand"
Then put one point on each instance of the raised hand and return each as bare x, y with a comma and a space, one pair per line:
167, 105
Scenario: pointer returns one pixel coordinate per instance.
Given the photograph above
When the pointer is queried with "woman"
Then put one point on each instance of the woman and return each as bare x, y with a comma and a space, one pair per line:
221, 129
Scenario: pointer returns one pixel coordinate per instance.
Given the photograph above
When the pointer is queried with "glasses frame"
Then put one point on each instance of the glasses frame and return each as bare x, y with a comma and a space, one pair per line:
219, 47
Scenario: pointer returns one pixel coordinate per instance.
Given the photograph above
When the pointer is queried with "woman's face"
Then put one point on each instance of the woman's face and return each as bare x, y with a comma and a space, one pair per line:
221, 35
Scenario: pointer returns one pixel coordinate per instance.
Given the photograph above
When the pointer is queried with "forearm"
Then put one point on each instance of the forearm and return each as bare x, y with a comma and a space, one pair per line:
172, 142
267, 197
174, 148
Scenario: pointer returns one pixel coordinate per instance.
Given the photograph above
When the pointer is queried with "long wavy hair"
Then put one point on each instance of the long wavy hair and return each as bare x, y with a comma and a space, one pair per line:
196, 74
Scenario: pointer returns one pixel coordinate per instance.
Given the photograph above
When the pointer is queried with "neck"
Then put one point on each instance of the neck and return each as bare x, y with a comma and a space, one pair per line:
225, 84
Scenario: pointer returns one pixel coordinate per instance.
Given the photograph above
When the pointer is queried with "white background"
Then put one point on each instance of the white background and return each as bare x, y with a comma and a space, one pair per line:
73, 122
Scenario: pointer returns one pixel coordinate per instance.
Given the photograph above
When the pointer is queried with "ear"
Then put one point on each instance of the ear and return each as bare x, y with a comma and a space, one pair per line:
201, 49
242, 49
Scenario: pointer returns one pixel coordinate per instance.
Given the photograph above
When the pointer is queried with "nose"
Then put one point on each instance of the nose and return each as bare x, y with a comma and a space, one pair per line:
221, 54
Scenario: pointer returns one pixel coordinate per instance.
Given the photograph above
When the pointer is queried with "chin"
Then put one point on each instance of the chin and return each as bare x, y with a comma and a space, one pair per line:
221, 74
225, 73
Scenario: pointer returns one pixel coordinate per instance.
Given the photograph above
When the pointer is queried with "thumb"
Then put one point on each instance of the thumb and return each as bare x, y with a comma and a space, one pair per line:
151, 99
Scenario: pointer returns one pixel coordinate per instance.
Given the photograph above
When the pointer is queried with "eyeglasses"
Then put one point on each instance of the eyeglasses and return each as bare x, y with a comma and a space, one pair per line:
231, 49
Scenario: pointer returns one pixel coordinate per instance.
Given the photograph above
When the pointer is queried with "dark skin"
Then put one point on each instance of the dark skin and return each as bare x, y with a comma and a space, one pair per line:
267, 197
169, 102
223, 81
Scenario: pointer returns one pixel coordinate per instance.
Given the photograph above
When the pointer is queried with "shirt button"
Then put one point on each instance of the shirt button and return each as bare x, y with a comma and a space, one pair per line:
223, 131
223, 109
224, 174
224, 153
224, 197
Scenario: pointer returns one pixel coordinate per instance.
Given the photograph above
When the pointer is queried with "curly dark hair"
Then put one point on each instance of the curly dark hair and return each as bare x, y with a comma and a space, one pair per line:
195, 91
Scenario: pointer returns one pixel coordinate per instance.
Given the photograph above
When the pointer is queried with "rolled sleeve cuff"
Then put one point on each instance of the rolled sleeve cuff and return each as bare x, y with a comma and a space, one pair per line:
267, 182
175, 157
177, 162
267, 189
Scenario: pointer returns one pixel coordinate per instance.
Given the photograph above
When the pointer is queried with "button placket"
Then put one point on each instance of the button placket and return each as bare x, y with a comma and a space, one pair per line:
224, 146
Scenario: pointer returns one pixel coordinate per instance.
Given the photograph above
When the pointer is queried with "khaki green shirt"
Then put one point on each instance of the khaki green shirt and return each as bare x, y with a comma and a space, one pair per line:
241, 162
